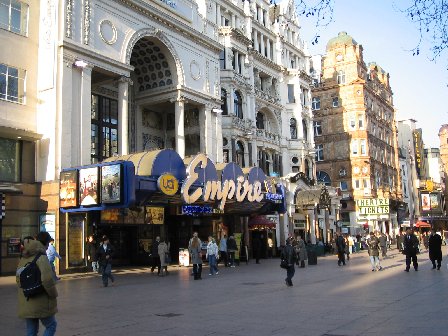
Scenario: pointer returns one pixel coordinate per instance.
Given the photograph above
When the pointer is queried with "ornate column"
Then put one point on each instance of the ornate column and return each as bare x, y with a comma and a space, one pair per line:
123, 115
256, 46
203, 129
233, 21
232, 103
85, 122
179, 122
218, 15
268, 48
262, 44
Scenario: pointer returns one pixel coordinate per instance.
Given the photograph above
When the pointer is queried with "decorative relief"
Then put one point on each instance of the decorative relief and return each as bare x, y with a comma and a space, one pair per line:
68, 18
207, 80
195, 70
152, 119
152, 142
86, 30
108, 32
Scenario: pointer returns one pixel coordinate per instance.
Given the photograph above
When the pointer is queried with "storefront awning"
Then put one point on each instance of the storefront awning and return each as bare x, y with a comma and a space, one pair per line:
421, 224
260, 222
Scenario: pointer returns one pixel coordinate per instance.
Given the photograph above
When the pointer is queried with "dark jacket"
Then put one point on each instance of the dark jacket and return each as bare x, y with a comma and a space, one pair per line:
155, 248
91, 250
101, 254
374, 246
340, 244
45, 304
435, 247
231, 245
410, 245
289, 254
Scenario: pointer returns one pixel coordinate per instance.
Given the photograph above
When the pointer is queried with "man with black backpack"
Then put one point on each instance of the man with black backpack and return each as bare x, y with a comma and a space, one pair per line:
37, 288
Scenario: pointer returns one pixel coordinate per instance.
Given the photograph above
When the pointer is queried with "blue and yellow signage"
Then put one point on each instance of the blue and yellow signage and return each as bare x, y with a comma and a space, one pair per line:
168, 184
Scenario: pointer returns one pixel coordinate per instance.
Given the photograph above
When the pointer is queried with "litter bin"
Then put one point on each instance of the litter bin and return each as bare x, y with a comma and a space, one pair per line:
312, 255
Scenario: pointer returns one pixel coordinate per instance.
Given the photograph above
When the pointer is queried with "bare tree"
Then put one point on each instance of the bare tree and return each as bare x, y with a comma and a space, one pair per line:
430, 16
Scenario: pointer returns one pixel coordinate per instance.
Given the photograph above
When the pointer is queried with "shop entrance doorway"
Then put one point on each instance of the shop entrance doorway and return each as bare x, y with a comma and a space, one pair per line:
124, 239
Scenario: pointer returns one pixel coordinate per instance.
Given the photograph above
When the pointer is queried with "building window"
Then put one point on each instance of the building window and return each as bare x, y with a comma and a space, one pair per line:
355, 147
343, 185
341, 77
323, 178
225, 155
224, 108
317, 126
335, 101
222, 59
357, 184
293, 128
12, 84
305, 130
240, 154
361, 121
238, 104
291, 98
104, 128
363, 147
10, 162
260, 121
315, 105
307, 168
14, 16
319, 152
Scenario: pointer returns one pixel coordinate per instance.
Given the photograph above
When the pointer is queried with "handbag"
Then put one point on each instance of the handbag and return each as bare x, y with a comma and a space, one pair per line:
284, 264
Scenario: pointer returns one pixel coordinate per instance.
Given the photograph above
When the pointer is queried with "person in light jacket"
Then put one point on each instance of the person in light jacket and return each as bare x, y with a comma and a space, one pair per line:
196, 257
212, 256
43, 306
301, 251
163, 250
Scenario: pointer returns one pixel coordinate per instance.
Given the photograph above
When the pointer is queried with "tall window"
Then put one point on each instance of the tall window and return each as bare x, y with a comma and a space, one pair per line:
238, 104
343, 185
355, 147
222, 59
360, 121
260, 120
293, 128
317, 126
12, 84
319, 152
224, 108
14, 16
104, 128
341, 77
363, 147
335, 101
240, 154
305, 130
291, 98
10, 163
323, 177
315, 105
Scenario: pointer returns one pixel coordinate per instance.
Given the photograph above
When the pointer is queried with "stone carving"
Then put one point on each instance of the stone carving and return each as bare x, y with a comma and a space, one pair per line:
195, 70
86, 30
207, 80
108, 32
68, 18
152, 142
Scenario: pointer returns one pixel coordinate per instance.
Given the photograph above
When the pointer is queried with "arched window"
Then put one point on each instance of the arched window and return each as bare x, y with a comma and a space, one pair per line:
323, 178
224, 102
293, 128
240, 153
260, 120
305, 130
341, 77
238, 104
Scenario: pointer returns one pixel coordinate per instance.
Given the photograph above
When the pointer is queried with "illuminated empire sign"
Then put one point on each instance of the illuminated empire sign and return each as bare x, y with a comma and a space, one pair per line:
218, 190
375, 206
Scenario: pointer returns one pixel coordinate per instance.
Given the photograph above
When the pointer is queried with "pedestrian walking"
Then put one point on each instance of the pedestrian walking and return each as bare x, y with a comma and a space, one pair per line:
212, 256
91, 253
104, 256
270, 247
163, 251
340, 248
301, 252
347, 247
223, 250
289, 256
373, 245
155, 258
196, 257
43, 306
435, 249
52, 254
383, 244
411, 247
231, 249
351, 244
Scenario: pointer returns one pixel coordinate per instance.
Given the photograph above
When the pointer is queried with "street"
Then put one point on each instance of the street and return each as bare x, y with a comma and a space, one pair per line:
251, 299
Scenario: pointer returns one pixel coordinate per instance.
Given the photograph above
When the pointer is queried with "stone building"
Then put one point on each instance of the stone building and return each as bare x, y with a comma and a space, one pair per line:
356, 136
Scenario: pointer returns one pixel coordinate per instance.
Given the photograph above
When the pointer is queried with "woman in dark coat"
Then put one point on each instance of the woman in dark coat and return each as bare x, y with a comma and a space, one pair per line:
435, 249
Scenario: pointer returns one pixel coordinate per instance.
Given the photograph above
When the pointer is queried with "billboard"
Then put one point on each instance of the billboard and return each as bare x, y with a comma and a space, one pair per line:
68, 186
88, 186
430, 202
111, 184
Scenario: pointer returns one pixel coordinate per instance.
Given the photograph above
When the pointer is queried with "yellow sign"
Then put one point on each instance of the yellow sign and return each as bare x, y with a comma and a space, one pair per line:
429, 185
375, 206
155, 215
168, 184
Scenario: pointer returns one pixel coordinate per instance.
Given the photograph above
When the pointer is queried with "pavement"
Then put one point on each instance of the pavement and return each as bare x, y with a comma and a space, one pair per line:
252, 299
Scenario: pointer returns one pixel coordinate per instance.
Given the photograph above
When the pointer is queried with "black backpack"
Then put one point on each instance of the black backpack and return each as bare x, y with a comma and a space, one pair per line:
30, 280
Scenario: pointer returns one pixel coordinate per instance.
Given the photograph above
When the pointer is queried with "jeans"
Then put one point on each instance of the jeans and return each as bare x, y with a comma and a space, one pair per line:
32, 326
375, 261
212, 263
107, 273
290, 271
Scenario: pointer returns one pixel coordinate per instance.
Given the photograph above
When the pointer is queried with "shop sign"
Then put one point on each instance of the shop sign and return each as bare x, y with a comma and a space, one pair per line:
168, 184
374, 206
13, 246
200, 210
155, 215
430, 202
276, 198
218, 190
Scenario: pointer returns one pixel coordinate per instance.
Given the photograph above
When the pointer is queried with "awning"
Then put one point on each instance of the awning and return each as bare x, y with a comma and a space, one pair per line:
421, 224
260, 222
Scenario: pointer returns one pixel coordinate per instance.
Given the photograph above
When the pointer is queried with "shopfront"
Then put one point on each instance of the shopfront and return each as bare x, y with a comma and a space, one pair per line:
135, 198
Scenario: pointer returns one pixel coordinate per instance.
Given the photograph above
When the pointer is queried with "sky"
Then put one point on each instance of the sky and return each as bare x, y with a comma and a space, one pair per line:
419, 85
